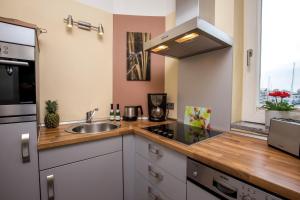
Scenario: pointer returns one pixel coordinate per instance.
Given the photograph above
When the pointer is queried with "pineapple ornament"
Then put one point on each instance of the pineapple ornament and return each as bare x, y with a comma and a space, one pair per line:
51, 118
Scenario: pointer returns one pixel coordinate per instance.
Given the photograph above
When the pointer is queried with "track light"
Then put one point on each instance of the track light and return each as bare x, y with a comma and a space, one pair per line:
100, 30
69, 21
83, 25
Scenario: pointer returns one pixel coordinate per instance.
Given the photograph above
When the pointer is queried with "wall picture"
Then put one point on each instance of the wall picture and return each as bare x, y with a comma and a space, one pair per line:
138, 61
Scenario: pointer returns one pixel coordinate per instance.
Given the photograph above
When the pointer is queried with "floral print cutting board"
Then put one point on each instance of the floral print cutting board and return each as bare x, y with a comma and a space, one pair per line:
197, 116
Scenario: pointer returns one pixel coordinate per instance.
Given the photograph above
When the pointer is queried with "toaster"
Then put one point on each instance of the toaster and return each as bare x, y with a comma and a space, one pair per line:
284, 134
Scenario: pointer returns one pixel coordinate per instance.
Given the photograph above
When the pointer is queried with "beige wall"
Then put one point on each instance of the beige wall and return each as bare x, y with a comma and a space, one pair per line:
76, 66
229, 18
171, 72
237, 86
224, 15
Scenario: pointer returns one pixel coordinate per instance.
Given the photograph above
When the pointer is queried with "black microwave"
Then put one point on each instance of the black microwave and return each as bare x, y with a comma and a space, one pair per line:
17, 80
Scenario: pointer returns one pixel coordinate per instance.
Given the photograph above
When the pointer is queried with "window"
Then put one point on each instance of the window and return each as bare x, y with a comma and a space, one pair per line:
271, 32
280, 49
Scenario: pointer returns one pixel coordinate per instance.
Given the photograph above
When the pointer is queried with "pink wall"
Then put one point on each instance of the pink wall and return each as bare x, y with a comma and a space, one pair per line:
135, 92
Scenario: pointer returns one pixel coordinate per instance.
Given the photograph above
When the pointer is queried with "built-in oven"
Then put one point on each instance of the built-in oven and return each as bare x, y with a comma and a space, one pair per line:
17, 82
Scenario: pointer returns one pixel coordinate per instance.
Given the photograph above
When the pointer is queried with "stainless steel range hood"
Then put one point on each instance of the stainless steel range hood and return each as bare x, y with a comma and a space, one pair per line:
192, 37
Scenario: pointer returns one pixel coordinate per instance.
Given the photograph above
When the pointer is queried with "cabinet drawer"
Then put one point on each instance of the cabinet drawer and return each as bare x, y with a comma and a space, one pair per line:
145, 190
167, 159
91, 179
63, 155
166, 183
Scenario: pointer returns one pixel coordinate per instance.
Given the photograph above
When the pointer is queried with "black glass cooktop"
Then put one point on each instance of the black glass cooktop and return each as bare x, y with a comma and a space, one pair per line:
183, 133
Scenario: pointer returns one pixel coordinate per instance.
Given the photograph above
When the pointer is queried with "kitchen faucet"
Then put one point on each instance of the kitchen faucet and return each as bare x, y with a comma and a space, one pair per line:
90, 114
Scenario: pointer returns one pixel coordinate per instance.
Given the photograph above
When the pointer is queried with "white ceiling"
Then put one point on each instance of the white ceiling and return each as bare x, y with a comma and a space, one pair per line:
134, 7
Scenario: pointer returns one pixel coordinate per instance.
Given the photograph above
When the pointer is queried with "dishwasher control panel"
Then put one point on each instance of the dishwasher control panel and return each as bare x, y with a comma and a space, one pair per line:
223, 185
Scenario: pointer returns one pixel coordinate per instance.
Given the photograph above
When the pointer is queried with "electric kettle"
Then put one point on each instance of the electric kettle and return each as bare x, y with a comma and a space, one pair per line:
131, 113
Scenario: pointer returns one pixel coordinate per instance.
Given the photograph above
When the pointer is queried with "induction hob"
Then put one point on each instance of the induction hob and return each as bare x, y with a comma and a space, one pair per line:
182, 132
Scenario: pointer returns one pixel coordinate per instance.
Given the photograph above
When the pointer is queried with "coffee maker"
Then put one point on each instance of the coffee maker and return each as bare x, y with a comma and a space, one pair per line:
157, 107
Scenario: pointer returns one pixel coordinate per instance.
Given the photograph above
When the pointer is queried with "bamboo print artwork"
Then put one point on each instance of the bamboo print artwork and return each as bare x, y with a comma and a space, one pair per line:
138, 61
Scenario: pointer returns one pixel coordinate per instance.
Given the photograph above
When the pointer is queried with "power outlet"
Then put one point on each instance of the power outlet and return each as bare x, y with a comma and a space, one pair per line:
170, 106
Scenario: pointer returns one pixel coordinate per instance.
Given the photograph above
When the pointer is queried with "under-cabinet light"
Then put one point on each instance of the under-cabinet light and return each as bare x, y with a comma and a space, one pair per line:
187, 37
160, 48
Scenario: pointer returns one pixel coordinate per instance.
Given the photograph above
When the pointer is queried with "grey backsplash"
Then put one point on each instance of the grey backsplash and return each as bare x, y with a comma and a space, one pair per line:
206, 80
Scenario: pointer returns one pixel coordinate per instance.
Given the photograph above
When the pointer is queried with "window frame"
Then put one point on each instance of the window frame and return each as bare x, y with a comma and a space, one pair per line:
252, 74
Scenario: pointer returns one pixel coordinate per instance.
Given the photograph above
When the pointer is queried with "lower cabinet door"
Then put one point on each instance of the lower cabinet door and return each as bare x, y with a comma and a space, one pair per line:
19, 173
195, 192
145, 190
91, 179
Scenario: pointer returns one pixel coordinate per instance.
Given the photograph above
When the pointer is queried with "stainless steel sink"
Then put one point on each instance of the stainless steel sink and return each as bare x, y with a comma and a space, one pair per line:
92, 128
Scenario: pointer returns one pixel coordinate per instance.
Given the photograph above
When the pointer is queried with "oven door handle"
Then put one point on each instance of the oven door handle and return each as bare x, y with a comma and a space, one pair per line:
16, 63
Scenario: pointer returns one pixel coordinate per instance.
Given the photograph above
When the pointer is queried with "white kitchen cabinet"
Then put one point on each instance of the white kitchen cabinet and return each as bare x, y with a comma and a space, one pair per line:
146, 191
163, 168
195, 192
165, 158
129, 166
161, 179
19, 161
72, 153
92, 177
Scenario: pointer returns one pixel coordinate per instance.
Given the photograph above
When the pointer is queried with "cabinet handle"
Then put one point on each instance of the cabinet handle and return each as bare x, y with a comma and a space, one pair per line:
25, 152
50, 187
225, 189
154, 151
155, 174
152, 195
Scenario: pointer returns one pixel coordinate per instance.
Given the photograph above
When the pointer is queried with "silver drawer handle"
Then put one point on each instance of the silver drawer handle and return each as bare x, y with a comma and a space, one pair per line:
154, 151
152, 195
155, 174
25, 147
50, 187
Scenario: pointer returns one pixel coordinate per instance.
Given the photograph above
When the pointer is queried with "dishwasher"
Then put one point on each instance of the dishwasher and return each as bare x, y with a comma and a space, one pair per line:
206, 183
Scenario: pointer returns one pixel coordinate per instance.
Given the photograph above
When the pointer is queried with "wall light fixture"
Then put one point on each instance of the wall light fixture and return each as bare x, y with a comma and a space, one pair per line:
83, 25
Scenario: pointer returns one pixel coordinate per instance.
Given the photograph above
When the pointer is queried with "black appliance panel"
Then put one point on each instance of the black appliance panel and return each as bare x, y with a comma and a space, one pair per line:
182, 132
17, 84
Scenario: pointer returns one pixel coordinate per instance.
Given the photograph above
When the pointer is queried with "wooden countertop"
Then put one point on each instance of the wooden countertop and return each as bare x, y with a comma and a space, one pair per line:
246, 158
56, 137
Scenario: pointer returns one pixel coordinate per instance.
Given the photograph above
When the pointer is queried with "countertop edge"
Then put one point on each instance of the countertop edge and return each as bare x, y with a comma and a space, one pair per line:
88, 138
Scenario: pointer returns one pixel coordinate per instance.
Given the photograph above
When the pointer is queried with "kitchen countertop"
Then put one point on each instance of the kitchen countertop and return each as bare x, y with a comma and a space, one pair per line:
246, 158
56, 137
